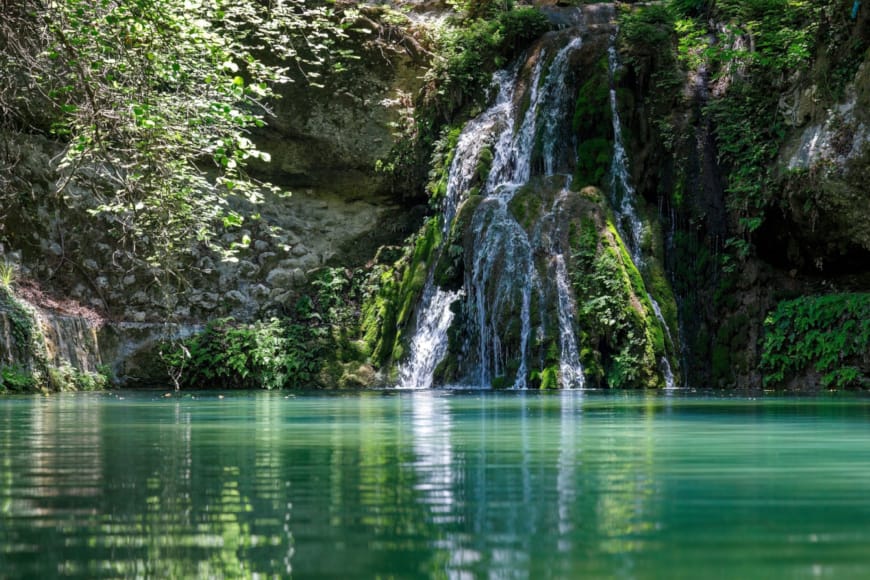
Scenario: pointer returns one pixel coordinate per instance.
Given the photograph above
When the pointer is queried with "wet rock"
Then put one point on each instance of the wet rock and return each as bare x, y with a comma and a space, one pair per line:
247, 269
285, 278
260, 292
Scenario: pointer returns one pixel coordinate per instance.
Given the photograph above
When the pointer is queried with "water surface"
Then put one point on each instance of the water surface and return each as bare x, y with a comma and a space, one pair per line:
433, 484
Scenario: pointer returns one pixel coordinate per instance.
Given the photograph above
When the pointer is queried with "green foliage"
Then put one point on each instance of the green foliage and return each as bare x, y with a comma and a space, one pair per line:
153, 100
612, 310
481, 8
390, 298
828, 335
472, 51
16, 378
379, 314
450, 269
25, 331
333, 289
549, 378
748, 132
8, 273
593, 128
690, 8
317, 345
271, 355
765, 47
526, 206
34, 370
442, 157
65, 377
647, 29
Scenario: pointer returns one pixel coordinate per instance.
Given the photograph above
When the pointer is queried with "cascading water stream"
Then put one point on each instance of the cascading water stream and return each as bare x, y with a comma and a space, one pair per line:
429, 343
570, 370
503, 256
658, 312
434, 316
622, 192
501, 276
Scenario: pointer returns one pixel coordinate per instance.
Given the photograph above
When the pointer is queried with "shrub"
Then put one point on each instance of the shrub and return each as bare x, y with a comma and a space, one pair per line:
474, 51
16, 378
826, 334
271, 355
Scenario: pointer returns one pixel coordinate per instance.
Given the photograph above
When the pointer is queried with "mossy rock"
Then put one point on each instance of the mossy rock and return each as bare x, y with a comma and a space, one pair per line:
615, 316
450, 269
592, 126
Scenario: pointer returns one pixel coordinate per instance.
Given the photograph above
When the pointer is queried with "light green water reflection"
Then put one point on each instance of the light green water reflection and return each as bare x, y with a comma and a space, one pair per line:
440, 484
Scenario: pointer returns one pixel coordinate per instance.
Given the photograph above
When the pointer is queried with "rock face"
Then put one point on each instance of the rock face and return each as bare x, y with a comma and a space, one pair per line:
51, 347
819, 216
737, 247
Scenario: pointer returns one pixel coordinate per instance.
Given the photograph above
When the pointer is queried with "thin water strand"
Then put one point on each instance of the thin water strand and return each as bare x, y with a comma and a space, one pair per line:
570, 369
621, 190
664, 364
667, 373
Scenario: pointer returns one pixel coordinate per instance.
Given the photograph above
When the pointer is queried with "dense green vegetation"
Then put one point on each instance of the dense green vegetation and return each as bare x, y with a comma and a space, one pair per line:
827, 335
314, 345
268, 355
620, 338
153, 101
593, 128
766, 50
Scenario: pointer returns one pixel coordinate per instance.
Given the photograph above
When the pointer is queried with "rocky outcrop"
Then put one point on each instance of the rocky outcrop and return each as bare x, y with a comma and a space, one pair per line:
819, 216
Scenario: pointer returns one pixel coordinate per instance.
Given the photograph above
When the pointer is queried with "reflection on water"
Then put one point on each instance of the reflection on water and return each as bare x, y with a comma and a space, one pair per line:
433, 484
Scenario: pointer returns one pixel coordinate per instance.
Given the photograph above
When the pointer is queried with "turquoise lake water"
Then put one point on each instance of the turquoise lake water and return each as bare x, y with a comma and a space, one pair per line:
434, 484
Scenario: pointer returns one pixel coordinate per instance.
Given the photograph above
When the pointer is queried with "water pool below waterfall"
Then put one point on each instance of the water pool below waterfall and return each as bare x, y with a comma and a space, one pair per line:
434, 484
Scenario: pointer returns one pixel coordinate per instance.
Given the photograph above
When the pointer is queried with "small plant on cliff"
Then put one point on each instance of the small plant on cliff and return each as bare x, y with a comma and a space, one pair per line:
16, 378
8, 273
471, 52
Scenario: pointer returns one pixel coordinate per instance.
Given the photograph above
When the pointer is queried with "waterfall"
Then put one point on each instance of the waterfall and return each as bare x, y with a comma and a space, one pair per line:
503, 263
434, 316
429, 343
569, 363
622, 192
522, 130
658, 312
667, 373
503, 258
570, 369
